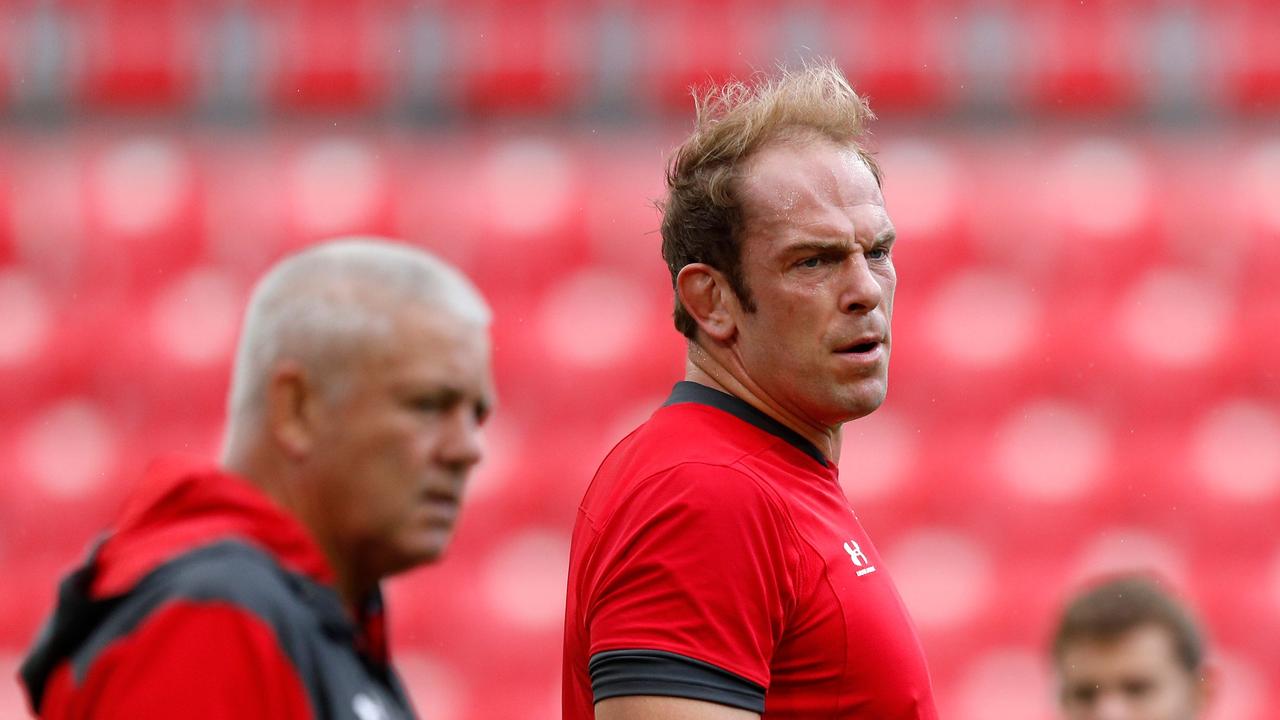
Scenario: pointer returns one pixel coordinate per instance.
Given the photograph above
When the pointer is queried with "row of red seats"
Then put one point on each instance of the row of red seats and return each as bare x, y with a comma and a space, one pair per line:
553, 57
1083, 373
1162, 341
1062, 211
1038, 254
1214, 471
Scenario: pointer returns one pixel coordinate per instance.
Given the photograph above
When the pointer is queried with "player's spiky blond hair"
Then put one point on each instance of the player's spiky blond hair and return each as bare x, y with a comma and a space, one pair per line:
702, 213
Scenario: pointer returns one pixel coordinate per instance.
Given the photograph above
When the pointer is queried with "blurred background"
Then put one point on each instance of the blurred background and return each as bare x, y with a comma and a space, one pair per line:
1087, 330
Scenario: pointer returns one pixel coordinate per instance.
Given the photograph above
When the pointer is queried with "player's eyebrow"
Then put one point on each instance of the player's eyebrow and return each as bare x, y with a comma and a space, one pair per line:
843, 245
804, 247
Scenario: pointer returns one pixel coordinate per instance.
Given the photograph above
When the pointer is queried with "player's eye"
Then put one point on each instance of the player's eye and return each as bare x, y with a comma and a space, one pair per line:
1136, 689
811, 262
880, 253
1082, 694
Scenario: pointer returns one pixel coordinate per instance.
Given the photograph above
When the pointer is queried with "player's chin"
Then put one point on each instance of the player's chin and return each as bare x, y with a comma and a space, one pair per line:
863, 398
427, 545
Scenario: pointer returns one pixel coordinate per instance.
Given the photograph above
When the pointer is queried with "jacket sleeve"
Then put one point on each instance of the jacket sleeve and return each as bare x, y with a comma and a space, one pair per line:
195, 660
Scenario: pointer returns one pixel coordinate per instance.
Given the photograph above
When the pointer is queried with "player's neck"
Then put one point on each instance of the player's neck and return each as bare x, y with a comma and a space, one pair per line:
703, 368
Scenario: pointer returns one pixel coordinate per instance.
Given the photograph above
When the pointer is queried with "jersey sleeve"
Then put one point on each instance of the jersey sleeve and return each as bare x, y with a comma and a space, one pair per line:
689, 586
203, 661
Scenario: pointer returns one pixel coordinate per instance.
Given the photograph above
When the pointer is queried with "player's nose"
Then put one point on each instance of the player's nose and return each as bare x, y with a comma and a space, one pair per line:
863, 291
461, 443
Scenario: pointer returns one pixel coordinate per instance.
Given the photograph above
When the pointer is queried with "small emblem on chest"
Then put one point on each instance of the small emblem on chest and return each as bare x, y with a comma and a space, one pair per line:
366, 708
859, 558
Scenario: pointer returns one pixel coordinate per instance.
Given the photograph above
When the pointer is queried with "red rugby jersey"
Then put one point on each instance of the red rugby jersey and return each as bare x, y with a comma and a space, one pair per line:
715, 557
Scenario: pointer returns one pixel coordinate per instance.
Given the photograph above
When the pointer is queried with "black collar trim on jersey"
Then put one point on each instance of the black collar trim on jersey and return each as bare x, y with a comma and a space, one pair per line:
691, 392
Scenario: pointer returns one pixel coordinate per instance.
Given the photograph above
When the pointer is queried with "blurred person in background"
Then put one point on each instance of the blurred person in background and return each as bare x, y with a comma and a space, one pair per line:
250, 588
717, 569
1127, 650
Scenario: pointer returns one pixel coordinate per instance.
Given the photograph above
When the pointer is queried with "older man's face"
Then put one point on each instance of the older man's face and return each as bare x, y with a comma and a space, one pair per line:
400, 441
1135, 676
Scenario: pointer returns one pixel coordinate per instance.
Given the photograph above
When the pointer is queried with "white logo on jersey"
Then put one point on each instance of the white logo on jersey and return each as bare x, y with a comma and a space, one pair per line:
858, 557
367, 708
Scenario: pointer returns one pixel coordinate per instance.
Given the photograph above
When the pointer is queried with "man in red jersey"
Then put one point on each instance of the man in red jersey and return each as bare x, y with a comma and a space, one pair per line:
249, 588
717, 570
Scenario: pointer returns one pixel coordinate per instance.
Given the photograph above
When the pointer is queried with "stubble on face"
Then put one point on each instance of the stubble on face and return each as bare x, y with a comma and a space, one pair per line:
815, 203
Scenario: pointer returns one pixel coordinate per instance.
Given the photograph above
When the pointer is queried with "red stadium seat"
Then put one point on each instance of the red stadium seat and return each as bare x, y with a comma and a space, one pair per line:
622, 221
143, 211
1248, 41
1252, 211
139, 55
1000, 681
1232, 455
65, 462
336, 185
1095, 198
472, 203
1259, 342
930, 190
527, 233
329, 55
29, 347
895, 52
686, 45
1079, 57
22, 614
247, 211
1172, 341
528, 57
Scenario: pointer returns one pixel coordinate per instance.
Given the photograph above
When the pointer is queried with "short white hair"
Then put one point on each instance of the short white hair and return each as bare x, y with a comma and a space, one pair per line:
317, 305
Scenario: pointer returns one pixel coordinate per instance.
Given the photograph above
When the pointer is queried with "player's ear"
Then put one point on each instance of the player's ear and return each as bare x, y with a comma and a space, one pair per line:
705, 293
290, 403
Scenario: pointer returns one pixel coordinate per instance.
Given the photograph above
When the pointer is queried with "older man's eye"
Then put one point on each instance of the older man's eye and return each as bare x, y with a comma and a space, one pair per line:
434, 402
427, 404
813, 262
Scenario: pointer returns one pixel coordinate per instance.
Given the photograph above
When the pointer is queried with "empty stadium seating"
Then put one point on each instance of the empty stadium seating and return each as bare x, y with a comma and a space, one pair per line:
1086, 341
1045, 422
553, 57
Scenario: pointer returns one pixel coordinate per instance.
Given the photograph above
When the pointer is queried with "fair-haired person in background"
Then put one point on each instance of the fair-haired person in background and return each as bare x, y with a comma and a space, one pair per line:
249, 588
1125, 649
717, 569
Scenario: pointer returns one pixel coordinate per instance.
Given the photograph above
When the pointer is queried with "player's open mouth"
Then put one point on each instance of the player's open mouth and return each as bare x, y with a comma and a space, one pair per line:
863, 352
862, 347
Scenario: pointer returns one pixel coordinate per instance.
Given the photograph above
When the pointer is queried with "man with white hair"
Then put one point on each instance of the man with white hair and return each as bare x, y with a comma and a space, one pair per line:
250, 588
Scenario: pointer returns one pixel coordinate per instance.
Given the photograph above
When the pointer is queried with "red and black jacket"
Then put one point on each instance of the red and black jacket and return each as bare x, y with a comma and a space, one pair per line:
209, 601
